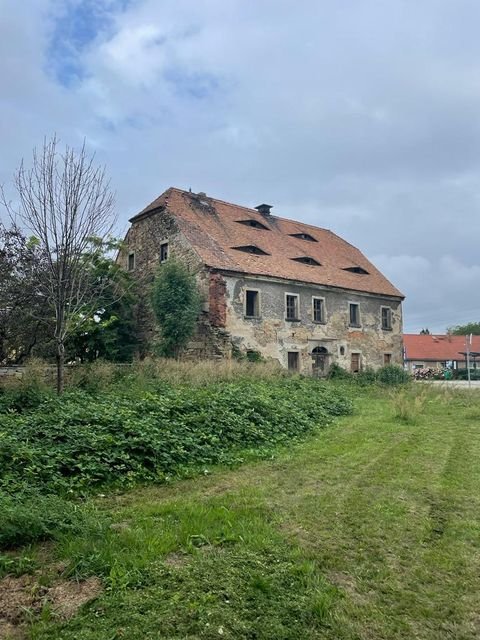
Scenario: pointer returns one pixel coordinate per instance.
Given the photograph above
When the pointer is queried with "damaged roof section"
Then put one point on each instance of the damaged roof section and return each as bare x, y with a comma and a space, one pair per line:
223, 242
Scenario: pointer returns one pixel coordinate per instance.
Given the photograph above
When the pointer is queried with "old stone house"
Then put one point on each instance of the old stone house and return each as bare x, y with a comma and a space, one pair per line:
288, 290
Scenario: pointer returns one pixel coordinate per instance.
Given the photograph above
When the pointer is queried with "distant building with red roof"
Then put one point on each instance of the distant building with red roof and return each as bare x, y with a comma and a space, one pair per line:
421, 351
286, 289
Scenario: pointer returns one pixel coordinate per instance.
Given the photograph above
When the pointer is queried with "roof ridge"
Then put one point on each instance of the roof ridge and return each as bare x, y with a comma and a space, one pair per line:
252, 210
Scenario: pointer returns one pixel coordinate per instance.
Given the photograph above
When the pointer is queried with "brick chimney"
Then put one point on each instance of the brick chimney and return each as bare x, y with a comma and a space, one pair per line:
264, 209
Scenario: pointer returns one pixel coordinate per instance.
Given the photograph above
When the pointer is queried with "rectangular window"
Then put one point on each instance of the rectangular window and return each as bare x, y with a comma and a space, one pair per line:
318, 309
252, 304
291, 307
131, 261
293, 361
354, 314
164, 251
355, 362
386, 318
387, 358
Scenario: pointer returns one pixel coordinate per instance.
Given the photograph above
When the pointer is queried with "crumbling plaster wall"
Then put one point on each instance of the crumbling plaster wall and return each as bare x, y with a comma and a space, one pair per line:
274, 337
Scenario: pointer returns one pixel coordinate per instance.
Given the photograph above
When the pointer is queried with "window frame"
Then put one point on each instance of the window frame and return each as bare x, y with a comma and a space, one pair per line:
324, 310
131, 255
163, 244
387, 356
389, 325
297, 307
357, 325
258, 303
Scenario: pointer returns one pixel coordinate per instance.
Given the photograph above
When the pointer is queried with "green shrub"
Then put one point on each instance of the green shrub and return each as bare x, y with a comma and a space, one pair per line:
28, 517
462, 374
336, 372
393, 374
80, 441
366, 376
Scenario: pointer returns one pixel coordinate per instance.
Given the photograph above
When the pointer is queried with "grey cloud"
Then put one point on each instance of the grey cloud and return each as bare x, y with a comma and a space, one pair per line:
360, 117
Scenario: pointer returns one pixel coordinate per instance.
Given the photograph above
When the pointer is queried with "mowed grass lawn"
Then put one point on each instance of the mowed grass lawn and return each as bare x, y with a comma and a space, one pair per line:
370, 529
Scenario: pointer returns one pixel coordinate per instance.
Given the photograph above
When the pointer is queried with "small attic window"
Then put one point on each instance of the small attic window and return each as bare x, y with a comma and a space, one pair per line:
253, 223
307, 260
359, 270
251, 248
303, 236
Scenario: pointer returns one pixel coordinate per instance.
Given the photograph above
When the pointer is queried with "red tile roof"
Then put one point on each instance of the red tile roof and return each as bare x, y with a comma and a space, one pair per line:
212, 226
438, 348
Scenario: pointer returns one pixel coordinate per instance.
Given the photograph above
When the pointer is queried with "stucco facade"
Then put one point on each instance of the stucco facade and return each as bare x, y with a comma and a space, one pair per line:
274, 336
277, 317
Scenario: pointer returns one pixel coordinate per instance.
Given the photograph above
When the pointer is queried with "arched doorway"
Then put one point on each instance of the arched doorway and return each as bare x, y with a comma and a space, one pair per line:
320, 361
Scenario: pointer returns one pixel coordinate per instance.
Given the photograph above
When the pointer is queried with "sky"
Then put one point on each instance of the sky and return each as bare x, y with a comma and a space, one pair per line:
360, 116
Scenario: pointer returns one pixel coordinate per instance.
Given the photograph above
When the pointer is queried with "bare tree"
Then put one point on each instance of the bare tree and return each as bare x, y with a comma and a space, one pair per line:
66, 203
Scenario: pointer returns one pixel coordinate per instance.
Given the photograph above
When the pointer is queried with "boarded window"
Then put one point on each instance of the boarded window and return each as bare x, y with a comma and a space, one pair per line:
355, 362
293, 361
354, 315
252, 304
318, 310
164, 252
386, 318
131, 261
387, 358
291, 307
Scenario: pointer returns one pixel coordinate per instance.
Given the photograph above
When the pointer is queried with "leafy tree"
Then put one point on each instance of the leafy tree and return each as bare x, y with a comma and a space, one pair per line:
24, 320
107, 329
465, 329
65, 201
176, 304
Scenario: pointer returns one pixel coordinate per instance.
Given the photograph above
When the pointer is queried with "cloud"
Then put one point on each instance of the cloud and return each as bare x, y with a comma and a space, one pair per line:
360, 117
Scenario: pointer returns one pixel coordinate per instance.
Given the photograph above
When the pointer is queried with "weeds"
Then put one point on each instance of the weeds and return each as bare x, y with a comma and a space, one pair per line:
408, 404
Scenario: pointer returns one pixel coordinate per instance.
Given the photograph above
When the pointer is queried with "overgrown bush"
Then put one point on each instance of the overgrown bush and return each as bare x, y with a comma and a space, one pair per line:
392, 374
462, 374
336, 372
82, 441
29, 517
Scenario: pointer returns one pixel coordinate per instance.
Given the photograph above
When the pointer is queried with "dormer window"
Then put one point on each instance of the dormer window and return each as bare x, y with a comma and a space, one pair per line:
251, 248
253, 223
303, 236
359, 270
307, 260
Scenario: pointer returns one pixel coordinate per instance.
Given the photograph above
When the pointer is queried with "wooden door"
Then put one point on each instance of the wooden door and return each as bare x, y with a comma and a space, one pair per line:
293, 361
355, 362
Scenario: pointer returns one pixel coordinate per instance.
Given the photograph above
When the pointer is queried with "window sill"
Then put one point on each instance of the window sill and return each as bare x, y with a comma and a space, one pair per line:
387, 329
245, 317
292, 320
355, 326
319, 321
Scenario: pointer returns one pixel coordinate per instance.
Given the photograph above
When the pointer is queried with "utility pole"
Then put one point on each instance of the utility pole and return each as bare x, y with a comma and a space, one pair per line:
468, 340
